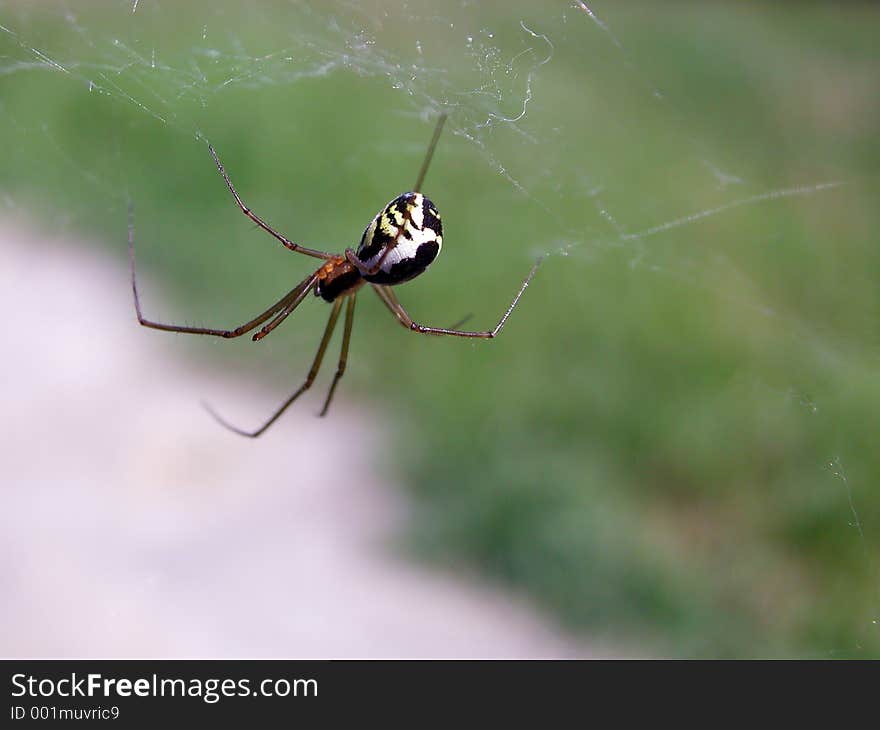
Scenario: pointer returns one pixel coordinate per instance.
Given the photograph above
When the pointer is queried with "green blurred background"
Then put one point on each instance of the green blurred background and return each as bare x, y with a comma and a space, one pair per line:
673, 444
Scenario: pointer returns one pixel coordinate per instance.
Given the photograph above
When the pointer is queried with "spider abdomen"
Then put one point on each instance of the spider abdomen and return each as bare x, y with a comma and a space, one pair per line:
402, 240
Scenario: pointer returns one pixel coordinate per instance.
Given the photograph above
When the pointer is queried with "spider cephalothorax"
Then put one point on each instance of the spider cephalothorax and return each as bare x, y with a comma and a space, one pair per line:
398, 245
336, 278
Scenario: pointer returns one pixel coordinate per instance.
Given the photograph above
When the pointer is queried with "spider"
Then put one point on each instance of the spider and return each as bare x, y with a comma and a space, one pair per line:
398, 245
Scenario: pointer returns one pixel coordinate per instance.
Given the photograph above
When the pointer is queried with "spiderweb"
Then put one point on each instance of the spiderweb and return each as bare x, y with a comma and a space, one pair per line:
595, 156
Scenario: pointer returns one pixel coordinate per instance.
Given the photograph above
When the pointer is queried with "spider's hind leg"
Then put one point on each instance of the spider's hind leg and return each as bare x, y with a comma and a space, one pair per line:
430, 153
389, 298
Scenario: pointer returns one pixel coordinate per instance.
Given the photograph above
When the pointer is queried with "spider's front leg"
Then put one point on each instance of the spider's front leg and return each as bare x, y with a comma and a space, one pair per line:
280, 310
313, 371
259, 221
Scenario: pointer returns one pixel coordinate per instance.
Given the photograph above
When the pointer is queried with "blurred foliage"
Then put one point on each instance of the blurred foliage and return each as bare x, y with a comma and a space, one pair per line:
673, 443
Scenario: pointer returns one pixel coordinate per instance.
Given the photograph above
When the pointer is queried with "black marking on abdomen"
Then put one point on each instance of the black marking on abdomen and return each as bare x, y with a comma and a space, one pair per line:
430, 219
367, 250
409, 268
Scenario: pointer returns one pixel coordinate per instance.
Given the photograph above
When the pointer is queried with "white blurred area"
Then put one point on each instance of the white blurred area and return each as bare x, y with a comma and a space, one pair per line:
132, 525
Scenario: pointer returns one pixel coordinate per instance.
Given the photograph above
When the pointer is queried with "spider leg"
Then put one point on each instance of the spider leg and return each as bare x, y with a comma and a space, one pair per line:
310, 378
343, 353
430, 153
259, 221
293, 297
302, 290
364, 270
350, 254
387, 295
